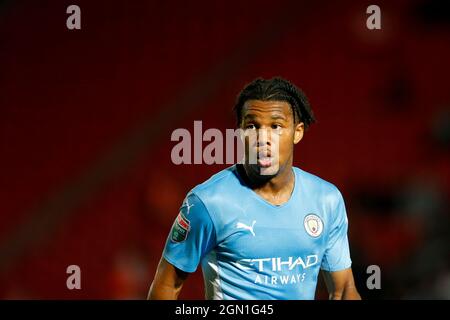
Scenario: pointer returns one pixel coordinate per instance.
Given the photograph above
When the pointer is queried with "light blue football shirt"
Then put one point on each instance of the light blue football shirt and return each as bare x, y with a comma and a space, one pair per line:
251, 249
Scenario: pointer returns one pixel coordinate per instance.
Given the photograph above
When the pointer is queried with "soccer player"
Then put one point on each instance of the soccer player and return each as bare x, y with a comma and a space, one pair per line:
264, 229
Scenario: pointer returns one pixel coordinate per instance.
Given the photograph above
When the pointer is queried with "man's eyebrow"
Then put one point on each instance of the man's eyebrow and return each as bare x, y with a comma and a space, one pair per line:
278, 116
249, 116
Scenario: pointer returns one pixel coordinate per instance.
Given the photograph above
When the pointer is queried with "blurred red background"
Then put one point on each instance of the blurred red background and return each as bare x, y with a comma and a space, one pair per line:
86, 118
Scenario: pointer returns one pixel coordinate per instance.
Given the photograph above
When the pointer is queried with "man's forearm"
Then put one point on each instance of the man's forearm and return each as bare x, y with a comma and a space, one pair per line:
167, 283
349, 293
162, 292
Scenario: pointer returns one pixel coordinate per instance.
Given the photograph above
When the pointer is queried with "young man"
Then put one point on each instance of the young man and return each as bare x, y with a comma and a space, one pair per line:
261, 229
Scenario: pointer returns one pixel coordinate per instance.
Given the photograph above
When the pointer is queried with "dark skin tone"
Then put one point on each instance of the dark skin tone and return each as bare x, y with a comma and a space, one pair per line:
275, 118
274, 183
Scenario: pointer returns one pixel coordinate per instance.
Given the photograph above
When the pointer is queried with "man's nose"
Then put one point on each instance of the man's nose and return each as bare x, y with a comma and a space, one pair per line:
264, 137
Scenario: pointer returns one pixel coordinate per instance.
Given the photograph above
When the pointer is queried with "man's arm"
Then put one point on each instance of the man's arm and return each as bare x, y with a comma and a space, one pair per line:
168, 282
341, 285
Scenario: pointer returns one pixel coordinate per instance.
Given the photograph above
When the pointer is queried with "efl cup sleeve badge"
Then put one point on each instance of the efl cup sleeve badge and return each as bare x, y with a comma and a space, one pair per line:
313, 225
180, 228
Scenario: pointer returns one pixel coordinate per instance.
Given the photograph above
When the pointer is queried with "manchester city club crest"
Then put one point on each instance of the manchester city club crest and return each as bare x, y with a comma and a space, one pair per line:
313, 225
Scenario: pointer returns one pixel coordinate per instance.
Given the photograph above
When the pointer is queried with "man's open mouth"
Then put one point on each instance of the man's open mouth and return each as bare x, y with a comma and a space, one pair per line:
265, 162
265, 158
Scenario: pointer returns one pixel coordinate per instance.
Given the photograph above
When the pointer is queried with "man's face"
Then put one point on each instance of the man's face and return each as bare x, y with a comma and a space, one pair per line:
270, 135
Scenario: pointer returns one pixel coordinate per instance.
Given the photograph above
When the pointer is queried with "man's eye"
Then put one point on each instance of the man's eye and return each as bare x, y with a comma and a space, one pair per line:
250, 126
276, 126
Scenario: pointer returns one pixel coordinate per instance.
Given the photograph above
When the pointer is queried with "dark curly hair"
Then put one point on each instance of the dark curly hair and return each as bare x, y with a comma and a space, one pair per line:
276, 89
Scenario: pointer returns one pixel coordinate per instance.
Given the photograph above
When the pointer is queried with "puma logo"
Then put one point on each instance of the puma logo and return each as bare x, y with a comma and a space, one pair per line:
186, 204
241, 225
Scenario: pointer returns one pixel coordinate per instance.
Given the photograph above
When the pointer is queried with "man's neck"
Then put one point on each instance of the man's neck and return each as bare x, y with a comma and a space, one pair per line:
276, 190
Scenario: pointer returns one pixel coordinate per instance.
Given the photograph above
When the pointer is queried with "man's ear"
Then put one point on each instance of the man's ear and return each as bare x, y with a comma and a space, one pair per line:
298, 133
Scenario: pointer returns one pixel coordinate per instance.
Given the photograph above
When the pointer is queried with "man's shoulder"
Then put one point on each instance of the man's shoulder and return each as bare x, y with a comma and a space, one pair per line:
222, 182
315, 184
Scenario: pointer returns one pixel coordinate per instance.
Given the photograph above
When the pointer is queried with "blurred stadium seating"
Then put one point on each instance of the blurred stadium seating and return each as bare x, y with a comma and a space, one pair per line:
86, 118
